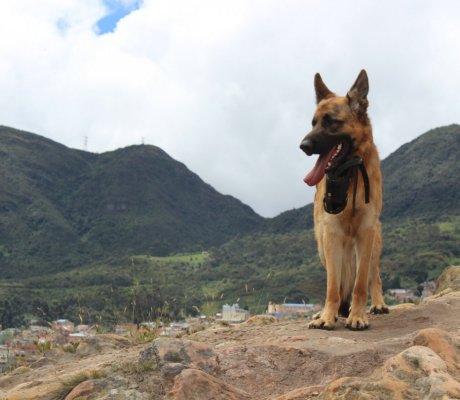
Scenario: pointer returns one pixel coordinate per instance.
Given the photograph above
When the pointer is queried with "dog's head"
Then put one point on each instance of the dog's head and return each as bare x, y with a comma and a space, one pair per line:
337, 126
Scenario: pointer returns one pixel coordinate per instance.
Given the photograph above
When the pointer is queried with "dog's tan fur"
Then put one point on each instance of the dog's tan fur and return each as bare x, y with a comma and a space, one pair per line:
350, 245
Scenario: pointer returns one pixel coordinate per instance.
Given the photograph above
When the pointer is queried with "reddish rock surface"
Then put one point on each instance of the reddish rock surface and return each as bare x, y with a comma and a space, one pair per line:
411, 353
81, 390
192, 384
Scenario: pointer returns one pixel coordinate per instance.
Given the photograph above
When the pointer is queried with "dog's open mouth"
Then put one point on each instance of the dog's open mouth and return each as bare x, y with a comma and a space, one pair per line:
327, 161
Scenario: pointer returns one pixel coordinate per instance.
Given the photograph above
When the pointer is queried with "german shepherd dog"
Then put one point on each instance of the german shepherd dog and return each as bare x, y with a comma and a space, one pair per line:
347, 232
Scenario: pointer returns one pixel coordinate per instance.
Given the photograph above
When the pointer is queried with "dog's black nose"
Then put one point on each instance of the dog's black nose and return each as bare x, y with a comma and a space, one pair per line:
307, 146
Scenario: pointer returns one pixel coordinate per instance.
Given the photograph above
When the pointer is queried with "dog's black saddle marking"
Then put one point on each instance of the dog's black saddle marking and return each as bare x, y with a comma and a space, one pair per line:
338, 181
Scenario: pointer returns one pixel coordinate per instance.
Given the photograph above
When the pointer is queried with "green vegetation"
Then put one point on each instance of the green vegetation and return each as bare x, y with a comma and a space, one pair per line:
132, 235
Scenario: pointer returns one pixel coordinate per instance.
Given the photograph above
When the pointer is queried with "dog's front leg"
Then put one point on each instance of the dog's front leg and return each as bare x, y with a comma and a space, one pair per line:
357, 320
332, 248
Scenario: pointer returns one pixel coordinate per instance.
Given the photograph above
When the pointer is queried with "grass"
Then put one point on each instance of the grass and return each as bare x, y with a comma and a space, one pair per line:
69, 383
188, 258
451, 227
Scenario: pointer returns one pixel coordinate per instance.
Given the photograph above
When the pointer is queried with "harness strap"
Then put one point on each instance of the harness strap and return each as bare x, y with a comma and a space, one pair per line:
355, 188
362, 168
337, 183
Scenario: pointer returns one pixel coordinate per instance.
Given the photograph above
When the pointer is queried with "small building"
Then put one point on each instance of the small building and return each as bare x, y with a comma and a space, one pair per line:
287, 309
234, 313
4, 353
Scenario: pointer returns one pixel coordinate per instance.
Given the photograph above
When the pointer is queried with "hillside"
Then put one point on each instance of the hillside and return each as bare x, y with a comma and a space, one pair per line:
422, 177
60, 207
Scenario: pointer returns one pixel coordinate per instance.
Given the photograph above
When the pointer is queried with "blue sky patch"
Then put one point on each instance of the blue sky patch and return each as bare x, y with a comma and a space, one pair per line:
62, 25
116, 11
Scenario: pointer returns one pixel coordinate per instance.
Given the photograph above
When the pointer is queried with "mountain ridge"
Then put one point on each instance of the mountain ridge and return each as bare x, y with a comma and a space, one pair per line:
65, 206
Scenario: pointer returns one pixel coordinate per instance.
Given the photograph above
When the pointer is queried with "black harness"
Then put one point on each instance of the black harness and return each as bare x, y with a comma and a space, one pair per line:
338, 181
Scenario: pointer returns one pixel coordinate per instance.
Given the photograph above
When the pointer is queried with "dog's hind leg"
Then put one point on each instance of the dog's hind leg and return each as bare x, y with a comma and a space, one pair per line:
378, 305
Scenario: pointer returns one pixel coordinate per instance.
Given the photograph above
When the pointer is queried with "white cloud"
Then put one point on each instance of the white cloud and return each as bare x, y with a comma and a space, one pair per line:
226, 86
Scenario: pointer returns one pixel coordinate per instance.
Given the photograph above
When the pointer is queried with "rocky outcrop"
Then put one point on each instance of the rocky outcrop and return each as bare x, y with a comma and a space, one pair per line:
193, 384
174, 355
411, 353
449, 280
83, 389
416, 373
445, 345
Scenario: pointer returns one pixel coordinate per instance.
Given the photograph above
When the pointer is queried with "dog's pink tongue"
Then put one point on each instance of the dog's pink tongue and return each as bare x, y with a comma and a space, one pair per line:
318, 171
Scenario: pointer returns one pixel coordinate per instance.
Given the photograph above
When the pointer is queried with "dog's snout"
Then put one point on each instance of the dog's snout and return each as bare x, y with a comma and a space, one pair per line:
307, 146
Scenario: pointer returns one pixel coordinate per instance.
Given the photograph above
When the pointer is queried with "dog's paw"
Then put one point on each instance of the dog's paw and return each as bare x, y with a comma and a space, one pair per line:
357, 322
322, 323
379, 309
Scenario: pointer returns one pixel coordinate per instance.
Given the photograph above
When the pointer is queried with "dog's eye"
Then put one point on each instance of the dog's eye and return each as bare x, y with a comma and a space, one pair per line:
329, 121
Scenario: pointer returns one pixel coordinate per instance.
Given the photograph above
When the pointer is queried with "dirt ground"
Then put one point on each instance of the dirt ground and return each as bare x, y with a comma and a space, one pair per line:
269, 360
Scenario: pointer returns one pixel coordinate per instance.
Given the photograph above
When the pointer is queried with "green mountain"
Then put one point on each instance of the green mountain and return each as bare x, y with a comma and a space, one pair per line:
61, 208
422, 177
120, 236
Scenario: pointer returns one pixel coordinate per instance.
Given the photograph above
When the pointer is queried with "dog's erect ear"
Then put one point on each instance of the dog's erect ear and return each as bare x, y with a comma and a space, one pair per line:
357, 95
322, 92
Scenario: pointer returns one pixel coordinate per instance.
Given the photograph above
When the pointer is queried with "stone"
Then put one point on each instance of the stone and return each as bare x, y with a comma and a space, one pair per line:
175, 355
415, 373
443, 344
82, 389
193, 384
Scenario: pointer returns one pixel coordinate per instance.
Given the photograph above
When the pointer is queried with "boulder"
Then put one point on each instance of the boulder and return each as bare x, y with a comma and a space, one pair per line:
82, 389
415, 373
193, 384
444, 345
175, 355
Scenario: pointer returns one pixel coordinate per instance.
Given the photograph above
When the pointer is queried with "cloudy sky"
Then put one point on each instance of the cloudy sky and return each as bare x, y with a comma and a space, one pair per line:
225, 87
